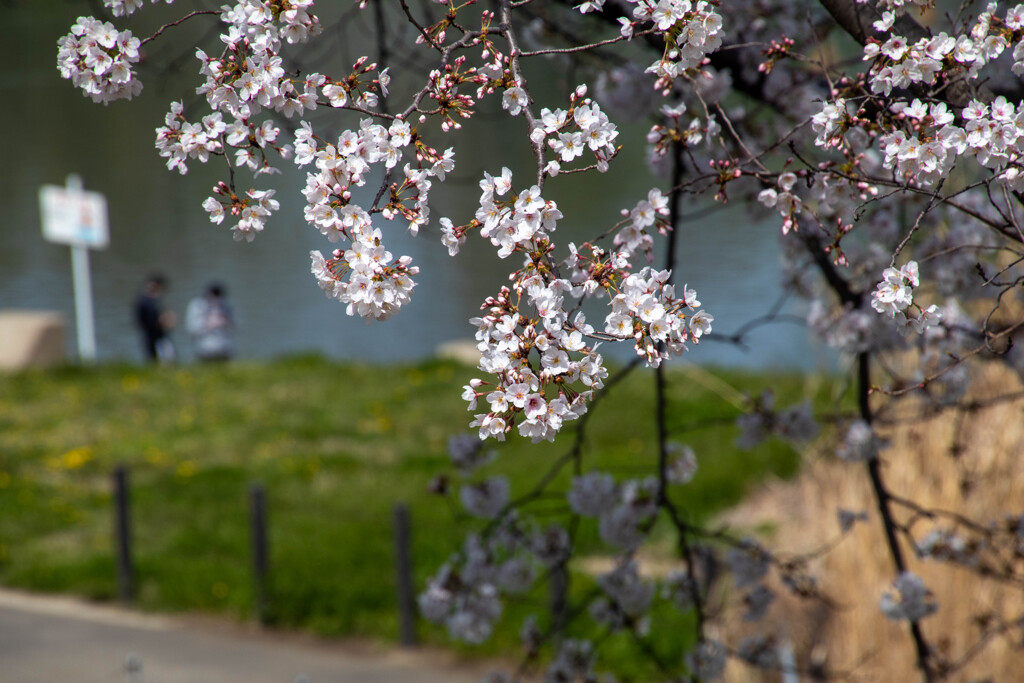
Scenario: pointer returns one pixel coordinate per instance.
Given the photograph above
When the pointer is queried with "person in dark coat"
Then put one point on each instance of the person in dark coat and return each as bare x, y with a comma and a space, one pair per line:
153, 322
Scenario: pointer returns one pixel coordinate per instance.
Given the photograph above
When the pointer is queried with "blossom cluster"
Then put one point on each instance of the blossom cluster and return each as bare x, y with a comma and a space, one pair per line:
946, 544
569, 135
922, 140
633, 238
646, 309
574, 662
465, 594
895, 7
266, 22
486, 498
252, 210
180, 140
795, 423
847, 329
467, 602
98, 58
467, 452
691, 31
707, 661
894, 295
378, 285
523, 222
784, 200
898, 64
528, 339
925, 151
992, 133
624, 512
543, 394
860, 443
908, 599
627, 597
124, 8
928, 153
828, 123
672, 130
249, 75
982, 548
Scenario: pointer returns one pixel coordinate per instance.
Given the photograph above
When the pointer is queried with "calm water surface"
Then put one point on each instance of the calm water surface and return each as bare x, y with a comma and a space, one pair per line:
157, 223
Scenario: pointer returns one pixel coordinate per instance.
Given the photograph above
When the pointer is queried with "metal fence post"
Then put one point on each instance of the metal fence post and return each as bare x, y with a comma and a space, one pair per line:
260, 563
403, 576
123, 536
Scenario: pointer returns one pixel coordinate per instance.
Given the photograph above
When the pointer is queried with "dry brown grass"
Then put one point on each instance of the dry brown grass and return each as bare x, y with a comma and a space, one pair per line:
853, 636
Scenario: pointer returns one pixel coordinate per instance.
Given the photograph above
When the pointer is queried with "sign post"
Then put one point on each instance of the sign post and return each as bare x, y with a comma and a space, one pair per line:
77, 218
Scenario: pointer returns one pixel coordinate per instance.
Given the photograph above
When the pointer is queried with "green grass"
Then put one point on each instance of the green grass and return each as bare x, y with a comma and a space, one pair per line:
336, 446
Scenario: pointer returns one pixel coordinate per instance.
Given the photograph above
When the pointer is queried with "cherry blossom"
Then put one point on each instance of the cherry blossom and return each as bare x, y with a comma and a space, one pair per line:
892, 182
909, 599
98, 58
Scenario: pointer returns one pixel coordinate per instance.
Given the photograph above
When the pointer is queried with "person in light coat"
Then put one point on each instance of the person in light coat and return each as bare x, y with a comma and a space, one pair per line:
210, 321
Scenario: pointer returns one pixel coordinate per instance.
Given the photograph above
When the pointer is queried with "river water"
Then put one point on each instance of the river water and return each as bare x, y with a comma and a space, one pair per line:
156, 223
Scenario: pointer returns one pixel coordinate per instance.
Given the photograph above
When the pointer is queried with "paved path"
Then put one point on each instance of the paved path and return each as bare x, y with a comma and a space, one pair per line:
63, 640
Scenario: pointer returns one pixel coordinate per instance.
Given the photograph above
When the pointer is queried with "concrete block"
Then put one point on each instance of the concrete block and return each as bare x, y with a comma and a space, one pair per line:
31, 339
463, 351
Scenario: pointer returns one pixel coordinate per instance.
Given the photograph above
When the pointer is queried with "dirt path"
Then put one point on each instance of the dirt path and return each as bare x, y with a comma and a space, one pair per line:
64, 640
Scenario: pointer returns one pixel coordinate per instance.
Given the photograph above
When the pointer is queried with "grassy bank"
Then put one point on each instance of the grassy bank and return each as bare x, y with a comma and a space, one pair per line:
335, 445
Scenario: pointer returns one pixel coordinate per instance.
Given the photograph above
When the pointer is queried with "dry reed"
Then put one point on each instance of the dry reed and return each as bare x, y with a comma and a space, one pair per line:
983, 480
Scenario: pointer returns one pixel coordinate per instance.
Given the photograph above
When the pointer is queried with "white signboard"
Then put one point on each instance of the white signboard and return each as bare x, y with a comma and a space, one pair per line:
74, 217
